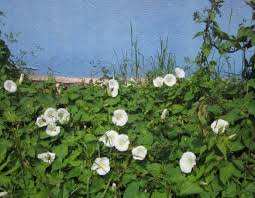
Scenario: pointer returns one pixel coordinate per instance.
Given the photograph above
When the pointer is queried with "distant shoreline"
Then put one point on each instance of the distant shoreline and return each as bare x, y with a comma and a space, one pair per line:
66, 79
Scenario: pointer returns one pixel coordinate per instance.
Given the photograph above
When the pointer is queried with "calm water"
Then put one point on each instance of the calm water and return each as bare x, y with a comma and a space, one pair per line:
74, 33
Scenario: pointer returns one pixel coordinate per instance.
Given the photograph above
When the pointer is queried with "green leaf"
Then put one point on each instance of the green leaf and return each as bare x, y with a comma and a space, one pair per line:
231, 190
233, 115
251, 108
131, 190
189, 188
159, 195
75, 172
206, 48
154, 169
74, 96
174, 174
4, 145
188, 96
198, 34
223, 148
177, 108
61, 151
145, 139
227, 171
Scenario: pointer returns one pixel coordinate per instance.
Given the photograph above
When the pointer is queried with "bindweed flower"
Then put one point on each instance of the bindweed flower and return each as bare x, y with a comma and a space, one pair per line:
52, 129
113, 92
113, 84
114, 186
63, 116
187, 162
158, 81
21, 78
51, 115
122, 142
139, 152
58, 88
170, 80
47, 157
164, 114
3, 194
180, 73
10, 86
41, 121
113, 87
219, 126
109, 138
101, 165
119, 117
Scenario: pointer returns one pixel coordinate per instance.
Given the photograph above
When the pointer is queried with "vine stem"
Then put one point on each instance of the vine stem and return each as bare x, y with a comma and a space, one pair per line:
107, 186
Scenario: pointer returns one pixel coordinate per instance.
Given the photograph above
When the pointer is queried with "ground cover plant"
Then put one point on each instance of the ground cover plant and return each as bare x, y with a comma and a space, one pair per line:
221, 162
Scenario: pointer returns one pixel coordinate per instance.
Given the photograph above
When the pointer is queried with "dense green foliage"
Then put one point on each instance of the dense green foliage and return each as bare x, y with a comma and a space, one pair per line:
216, 40
225, 162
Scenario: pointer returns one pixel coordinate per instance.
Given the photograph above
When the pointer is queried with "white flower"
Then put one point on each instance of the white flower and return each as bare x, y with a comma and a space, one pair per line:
113, 87
113, 92
113, 84
180, 73
170, 80
3, 194
101, 165
187, 162
58, 88
114, 186
164, 113
109, 138
52, 129
119, 117
10, 86
139, 152
51, 115
219, 126
41, 121
63, 115
158, 81
21, 78
122, 142
47, 157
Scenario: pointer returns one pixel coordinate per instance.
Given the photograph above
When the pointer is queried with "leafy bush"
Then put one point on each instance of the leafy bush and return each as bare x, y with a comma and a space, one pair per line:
225, 163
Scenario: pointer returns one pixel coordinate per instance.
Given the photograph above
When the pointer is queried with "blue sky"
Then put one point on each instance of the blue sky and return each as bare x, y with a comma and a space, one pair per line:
73, 33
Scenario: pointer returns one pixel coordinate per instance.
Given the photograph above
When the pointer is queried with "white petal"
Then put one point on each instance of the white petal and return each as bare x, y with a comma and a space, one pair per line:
120, 117
180, 73
51, 115
109, 138
164, 113
158, 81
10, 86
213, 126
139, 152
63, 115
113, 84
21, 78
114, 92
170, 80
3, 194
122, 142
41, 121
187, 162
52, 129
47, 157
101, 165
219, 126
